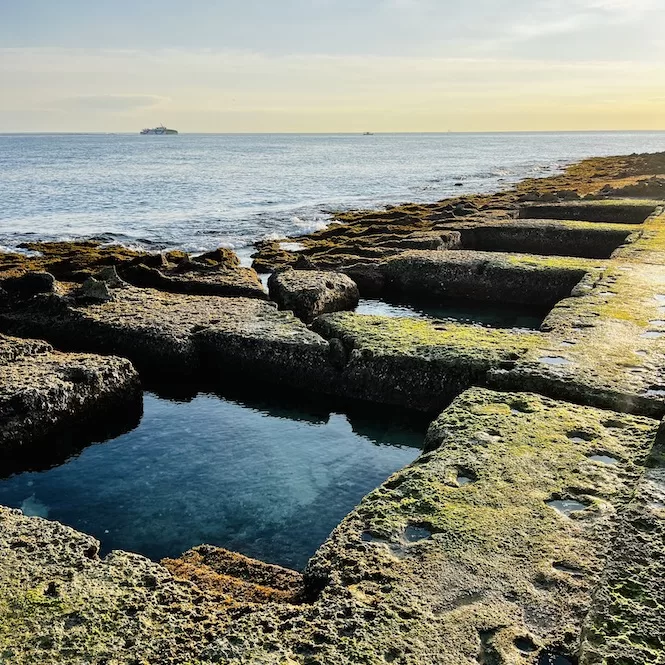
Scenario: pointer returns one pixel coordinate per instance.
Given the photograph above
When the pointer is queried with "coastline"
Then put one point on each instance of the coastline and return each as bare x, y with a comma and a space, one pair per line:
464, 556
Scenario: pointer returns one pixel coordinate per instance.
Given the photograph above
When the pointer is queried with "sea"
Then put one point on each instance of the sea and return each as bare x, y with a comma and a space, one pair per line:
200, 191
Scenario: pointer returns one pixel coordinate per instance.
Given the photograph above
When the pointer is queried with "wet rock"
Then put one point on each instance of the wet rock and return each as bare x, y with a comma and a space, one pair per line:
368, 277
522, 279
175, 334
435, 240
622, 212
309, 293
544, 237
416, 363
220, 257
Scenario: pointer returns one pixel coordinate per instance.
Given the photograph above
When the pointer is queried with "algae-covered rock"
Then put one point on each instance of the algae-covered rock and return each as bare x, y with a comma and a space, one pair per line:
171, 335
236, 576
309, 293
604, 346
626, 623
624, 212
521, 279
214, 281
461, 558
60, 603
416, 363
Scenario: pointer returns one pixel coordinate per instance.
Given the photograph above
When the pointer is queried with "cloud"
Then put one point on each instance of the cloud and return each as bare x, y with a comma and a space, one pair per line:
219, 90
108, 103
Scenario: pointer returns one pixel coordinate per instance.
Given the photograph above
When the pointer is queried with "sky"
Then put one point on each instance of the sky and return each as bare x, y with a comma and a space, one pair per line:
332, 65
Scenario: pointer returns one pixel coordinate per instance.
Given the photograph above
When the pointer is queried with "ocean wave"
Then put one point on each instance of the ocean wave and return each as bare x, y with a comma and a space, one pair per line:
304, 227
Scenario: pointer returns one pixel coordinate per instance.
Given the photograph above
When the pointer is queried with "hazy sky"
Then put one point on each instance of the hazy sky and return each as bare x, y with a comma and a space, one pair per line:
332, 65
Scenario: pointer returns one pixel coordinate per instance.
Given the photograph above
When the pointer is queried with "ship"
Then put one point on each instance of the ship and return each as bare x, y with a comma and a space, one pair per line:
161, 130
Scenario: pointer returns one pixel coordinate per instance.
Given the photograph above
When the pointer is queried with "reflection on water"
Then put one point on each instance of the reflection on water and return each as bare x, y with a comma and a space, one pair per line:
487, 314
269, 481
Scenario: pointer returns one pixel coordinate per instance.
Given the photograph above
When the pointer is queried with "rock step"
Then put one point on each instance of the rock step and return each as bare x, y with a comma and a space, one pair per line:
491, 547
43, 391
236, 576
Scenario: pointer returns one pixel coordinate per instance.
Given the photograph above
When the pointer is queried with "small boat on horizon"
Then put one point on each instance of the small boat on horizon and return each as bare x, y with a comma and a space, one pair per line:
160, 131
368, 133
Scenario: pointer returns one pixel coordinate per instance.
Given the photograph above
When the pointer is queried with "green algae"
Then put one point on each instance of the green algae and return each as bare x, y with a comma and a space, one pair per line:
379, 334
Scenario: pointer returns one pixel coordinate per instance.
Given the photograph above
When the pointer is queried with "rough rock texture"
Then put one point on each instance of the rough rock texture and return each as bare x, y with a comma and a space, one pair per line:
360, 235
212, 273
545, 237
530, 531
415, 363
309, 293
522, 279
235, 575
166, 333
239, 282
606, 345
457, 559
626, 212
59, 603
43, 391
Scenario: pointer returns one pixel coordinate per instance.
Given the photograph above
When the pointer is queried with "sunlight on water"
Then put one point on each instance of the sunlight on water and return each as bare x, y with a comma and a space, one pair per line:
198, 192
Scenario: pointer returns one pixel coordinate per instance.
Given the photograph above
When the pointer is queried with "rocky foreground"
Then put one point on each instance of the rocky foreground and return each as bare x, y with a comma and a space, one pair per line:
530, 530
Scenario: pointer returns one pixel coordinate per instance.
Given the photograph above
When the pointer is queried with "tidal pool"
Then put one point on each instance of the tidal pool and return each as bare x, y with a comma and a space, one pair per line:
489, 315
270, 480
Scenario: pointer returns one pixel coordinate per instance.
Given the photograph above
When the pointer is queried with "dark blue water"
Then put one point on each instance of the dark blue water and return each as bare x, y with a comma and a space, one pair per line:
268, 481
197, 192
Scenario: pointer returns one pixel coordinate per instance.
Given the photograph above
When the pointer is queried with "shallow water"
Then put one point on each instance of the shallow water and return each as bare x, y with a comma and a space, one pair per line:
487, 314
270, 481
197, 191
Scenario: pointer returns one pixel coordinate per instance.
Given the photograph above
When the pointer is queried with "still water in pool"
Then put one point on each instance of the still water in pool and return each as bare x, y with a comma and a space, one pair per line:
270, 482
486, 314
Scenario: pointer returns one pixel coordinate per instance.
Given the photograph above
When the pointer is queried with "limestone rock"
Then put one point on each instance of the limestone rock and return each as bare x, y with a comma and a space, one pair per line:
208, 280
43, 391
94, 290
309, 293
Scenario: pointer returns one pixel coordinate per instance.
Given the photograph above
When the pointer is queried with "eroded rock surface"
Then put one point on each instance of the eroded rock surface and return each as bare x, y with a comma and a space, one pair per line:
461, 556
43, 391
310, 293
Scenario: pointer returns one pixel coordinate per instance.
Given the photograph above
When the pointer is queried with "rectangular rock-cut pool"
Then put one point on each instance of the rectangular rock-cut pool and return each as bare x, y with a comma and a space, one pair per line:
486, 314
268, 481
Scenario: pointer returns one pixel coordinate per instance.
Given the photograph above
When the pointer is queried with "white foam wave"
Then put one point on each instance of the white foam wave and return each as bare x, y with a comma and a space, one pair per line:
304, 227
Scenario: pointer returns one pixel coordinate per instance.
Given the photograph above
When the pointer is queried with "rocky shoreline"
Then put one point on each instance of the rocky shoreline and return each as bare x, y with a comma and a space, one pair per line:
530, 530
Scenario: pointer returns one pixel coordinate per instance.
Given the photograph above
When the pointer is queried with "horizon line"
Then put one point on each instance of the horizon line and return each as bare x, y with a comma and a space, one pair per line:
347, 133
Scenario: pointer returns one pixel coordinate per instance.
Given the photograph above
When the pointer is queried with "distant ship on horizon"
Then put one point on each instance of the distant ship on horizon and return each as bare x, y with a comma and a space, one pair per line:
161, 130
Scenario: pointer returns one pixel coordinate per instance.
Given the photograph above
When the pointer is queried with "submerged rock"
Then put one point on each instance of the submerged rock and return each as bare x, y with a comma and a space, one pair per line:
310, 293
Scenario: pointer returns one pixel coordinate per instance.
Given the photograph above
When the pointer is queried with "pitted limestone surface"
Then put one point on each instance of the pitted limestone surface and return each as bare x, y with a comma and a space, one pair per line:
42, 390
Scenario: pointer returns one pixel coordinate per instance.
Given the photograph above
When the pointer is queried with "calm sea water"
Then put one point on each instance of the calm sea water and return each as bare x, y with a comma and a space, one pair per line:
268, 479
198, 192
